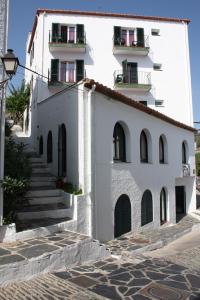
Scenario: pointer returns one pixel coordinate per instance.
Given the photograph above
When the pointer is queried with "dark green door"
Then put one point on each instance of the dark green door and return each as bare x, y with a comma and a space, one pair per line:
122, 216
180, 202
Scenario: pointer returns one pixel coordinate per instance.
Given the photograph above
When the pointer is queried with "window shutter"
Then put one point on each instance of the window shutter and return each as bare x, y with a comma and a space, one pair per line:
54, 69
140, 37
125, 71
133, 73
117, 35
54, 32
79, 70
80, 33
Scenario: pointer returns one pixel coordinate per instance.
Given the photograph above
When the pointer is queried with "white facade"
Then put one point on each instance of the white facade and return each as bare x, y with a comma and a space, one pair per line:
82, 117
89, 118
171, 85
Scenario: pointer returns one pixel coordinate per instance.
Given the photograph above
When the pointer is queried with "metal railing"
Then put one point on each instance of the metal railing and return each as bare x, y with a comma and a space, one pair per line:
64, 39
134, 44
131, 77
186, 170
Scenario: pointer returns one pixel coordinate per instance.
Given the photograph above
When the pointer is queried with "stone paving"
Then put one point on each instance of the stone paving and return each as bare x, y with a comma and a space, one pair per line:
139, 279
144, 240
22, 250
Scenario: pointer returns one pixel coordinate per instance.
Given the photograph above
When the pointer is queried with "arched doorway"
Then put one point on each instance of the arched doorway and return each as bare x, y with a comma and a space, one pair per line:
62, 150
163, 207
122, 216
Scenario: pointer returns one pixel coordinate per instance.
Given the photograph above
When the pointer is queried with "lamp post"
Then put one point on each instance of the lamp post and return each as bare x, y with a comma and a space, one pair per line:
10, 64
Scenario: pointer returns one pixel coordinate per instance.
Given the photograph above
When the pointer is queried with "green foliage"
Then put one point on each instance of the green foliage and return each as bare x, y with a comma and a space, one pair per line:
197, 158
197, 139
71, 189
18, 101
16, 180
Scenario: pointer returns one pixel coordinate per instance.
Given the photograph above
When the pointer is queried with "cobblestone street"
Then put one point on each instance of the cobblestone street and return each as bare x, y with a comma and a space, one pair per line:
112, 278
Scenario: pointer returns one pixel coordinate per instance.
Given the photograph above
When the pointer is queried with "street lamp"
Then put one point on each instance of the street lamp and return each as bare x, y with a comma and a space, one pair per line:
10, 64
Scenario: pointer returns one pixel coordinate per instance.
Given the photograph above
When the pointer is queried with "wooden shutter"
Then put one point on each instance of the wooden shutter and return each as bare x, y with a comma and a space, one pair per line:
80, 33
125, 71
54, 32
140, 37
132, 73
117, 35
79, 70
54, 70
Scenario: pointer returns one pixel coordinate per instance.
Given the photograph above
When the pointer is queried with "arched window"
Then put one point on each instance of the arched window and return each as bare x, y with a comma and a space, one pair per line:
49, 147
161, 150
41, 145
119, 143
163, 207
184, 155
146, 208
143, 147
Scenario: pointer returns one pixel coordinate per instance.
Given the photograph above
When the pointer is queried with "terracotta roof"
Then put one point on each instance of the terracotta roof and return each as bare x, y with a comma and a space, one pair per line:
99, 14
128, 101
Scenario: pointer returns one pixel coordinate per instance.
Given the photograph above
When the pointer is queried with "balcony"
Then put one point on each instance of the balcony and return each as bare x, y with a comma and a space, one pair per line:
62, 43
132, 81
121, 46
186, 170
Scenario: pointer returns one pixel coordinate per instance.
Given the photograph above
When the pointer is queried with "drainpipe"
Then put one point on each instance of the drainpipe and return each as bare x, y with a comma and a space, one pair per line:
90, 163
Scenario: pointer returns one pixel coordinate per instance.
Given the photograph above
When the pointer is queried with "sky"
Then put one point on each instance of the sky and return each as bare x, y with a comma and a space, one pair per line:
22, 14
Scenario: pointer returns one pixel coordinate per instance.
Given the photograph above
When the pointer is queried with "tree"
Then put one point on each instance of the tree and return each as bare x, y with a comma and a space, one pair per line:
18, 101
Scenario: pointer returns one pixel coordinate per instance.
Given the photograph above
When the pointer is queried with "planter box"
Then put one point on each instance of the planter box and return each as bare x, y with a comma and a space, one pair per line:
8, 233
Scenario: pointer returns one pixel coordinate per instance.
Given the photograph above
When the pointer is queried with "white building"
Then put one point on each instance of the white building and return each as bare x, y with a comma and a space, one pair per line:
134, 164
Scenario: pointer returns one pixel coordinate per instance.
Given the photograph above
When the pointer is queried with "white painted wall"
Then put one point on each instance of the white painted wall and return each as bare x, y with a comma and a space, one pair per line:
172, 84
111, 179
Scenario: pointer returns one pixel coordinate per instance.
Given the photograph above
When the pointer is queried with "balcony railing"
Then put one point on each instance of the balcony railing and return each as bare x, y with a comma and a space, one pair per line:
186, 170
54, 80
122, 46
62, 42
140, 81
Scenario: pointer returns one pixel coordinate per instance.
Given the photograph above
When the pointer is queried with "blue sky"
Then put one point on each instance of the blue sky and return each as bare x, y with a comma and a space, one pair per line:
22, 13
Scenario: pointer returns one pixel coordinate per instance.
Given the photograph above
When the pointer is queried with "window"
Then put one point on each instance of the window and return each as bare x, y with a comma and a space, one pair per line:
163, 207
67, 33
67, 71
49, 147
159, 103
143, 102
155, 31
157, 67
119, 146
161, 150
129, 37
143, 147
184, 155
146, 208
41, 145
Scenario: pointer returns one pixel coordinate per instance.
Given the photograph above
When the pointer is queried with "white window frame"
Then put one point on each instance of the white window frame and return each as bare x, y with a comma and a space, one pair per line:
68, 25
67, 74
127, 34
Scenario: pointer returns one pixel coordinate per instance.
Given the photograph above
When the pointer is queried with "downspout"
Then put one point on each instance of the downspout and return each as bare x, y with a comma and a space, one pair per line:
90, 163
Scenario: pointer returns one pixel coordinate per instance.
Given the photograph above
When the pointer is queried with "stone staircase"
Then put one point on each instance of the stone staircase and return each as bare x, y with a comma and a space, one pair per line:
44, 204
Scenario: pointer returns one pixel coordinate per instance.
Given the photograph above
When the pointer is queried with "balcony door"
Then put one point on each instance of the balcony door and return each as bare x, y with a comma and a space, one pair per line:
67, 71
180, 202
130, 73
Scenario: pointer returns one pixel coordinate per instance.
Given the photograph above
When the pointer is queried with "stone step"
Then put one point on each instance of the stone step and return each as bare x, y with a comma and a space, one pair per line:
41, 170
23, 260
36, 159
42, 213
39, 165
43, 193
44, 177
45, 200
42, 184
